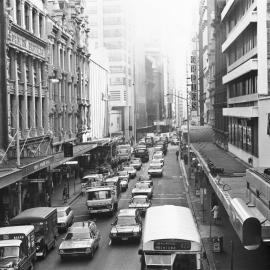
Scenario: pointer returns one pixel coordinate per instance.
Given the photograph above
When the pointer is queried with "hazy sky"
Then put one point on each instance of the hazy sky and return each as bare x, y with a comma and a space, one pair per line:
175, 22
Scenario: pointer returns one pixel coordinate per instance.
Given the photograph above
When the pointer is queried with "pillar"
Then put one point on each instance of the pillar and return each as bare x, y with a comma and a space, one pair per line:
14, 10
37, 33
24, 112
30, 14
32, 104
39, 107
22, 14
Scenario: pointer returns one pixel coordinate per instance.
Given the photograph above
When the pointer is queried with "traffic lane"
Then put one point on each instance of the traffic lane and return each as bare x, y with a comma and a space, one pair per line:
107, 256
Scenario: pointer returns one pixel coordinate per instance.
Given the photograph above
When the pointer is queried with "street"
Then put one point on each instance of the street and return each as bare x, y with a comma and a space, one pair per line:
167, 190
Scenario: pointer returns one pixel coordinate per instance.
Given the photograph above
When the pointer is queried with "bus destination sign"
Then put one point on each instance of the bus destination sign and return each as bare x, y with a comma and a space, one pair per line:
172, 244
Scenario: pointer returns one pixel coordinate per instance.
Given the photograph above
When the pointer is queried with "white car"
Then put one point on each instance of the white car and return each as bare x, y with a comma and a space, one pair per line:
157, 161
65, 217
123, 175
124, 184
140, 202
158, 156
155, 170
131, 170
136, 163
142, 189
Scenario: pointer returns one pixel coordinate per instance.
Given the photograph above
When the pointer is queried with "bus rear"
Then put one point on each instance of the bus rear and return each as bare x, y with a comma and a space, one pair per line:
171, 240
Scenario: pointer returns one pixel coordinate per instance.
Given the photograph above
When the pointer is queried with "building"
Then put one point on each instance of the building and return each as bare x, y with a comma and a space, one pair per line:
111, 28
220, 94
247, 80
206, 61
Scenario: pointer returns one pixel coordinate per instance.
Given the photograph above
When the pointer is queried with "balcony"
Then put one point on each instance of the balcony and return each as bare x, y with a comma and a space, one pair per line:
250, 17
227, 8
243, 99
241, 112
248, 66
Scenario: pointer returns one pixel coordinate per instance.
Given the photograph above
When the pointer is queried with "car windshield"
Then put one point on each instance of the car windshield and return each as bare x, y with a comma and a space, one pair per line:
7, 252
78, 236
142, 185
61, 214
126, 220
139, 200
154, 166
99, 195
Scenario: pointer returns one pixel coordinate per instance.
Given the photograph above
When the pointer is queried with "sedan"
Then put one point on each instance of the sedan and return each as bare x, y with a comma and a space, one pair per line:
136, 163
155, 170
157, 161
142, 189
123, 174
131, 170
159, 156
124, 184
140, 202
65, 217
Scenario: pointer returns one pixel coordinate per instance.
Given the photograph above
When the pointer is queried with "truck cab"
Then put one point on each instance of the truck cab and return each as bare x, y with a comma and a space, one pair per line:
101, 199
17, 247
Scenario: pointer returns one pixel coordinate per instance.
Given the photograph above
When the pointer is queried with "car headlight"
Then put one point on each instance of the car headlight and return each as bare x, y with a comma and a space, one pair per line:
88, 250
113, 231
109, 206
61, 251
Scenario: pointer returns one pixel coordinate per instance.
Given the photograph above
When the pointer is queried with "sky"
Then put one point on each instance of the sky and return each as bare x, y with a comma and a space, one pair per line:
175, 22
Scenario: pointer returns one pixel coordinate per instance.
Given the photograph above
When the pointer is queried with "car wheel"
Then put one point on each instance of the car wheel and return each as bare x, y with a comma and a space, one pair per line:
92, 254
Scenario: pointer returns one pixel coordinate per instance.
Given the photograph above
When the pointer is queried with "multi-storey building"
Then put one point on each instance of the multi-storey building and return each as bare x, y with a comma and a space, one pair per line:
246, 47
69, 106
206, 61
220, 94
111, 28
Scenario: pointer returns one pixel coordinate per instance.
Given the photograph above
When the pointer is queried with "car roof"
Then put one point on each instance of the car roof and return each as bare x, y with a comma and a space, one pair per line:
82, 224
127, 212
96, 175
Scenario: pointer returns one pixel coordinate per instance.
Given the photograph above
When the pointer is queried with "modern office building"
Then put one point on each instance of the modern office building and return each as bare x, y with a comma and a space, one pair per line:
247, 79
111, 28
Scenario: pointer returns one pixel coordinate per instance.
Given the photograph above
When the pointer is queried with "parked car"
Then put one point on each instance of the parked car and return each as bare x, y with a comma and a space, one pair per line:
136, 163
158, 156
82, 238
157, 161
140, 202
158, 148
175, 141
131, 170
142, 189
147, 180
65, 217
155, 170
123, 174
141, 153
127, 226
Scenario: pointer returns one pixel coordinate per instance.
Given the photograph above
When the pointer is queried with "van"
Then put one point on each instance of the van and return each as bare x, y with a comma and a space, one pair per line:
44, 220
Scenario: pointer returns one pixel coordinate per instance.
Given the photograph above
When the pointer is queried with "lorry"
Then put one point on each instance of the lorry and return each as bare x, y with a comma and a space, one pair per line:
102, 199
44, 220
17, 247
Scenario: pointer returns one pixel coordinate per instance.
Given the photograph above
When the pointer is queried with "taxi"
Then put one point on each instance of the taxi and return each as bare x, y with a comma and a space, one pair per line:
65, 217
142, 189
155, 169
131, 170
136, 163
140, 202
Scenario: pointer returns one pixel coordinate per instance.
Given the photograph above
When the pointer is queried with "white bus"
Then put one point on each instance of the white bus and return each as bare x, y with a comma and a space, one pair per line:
170, 239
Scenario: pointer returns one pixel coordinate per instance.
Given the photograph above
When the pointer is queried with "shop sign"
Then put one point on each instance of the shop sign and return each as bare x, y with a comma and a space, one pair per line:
31, 168
25, 44
71, 163
38, 180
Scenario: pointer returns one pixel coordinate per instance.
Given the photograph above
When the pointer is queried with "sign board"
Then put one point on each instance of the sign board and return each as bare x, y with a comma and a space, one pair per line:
38, 180
172, 244
71, 162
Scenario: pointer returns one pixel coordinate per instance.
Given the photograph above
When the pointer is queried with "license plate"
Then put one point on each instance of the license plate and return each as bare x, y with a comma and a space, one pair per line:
124, 238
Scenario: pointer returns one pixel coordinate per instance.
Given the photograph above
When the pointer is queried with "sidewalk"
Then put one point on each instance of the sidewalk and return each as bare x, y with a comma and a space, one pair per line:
74, 193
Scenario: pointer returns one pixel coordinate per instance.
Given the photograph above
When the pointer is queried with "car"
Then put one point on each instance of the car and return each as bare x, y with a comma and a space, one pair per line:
123, 174
131, 170
155, 170
91, 180
163, 145
65, 217
158, 148
82, 239
142, 142
142, 153
147, 180
124, 184
136, 163
140, 202
158, 156
175, 141
157, 161
142, 189
127, 226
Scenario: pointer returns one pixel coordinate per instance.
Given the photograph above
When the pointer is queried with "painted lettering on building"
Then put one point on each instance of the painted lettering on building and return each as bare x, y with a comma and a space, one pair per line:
26, 44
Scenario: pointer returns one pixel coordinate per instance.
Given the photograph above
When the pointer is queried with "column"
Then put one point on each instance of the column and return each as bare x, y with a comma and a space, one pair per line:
14, 10
25, 105
43, 33
37, 24
59, 45
32, 104
39, 107
30, 14
68, 59
22, 14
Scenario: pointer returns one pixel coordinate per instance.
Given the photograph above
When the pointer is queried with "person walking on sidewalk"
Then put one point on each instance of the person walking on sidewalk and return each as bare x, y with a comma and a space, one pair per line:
177, 154
65, 194
215, 211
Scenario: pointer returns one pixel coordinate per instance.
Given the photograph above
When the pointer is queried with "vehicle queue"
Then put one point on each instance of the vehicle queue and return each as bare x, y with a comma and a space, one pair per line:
102, 193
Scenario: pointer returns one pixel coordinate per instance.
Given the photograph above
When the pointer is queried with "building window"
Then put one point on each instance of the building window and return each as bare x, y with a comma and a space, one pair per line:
18, 12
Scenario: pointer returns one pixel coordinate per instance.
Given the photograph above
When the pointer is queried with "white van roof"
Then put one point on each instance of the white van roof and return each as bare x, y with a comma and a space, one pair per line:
170, 222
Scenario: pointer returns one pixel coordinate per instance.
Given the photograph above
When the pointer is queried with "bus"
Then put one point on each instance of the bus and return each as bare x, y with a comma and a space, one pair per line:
170, 239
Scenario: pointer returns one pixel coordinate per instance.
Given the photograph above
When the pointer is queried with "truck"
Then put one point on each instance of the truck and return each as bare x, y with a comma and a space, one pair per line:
44, 220
102, 199
17, 247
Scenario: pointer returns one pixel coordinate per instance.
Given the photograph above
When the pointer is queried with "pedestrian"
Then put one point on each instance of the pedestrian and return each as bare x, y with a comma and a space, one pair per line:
48, 199
65, 194
215, 211
177, 154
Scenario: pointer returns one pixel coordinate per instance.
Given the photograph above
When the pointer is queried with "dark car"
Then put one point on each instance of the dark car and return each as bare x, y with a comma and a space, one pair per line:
141, 153
163, 145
